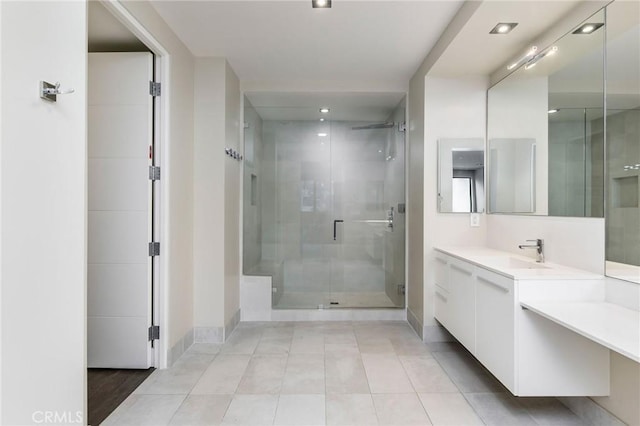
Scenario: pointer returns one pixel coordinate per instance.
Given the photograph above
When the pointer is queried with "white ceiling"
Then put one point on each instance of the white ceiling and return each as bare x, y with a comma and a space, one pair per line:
476, 52
279, 43
290, 41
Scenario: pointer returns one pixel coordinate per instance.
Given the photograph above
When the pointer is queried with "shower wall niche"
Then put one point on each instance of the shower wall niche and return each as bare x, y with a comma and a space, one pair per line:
324, 205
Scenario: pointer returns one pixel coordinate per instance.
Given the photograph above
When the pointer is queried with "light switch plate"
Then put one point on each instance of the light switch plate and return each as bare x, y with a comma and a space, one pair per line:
474, 220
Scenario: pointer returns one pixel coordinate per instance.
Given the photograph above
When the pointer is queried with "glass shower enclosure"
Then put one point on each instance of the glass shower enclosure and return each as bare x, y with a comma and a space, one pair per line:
324, 205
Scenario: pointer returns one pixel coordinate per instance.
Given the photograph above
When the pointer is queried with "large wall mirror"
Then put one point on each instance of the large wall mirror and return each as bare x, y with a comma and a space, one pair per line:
623, 141
545, 134
549, 133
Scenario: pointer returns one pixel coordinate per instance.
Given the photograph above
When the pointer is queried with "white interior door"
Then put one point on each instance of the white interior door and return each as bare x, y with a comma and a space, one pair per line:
119, 219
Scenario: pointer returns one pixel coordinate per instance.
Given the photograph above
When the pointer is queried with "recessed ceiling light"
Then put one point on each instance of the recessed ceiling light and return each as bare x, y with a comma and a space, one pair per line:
553, 111
588, 28
379, 150
321, 4
322, 119
322, 135
503, 28
324, 110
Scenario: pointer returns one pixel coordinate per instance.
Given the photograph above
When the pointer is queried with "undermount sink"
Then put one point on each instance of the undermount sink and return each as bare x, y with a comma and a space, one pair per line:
515, 263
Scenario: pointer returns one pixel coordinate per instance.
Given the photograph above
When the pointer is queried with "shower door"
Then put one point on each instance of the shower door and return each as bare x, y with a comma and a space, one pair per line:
368, 223
318, 196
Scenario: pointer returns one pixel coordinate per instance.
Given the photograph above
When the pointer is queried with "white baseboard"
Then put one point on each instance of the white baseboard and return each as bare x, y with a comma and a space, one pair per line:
235, 320
180, 347
415, 323
208, 334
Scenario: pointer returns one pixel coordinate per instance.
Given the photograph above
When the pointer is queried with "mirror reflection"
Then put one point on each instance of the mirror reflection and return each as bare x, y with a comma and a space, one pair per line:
461, 175
623, 141
512, 176
545, 132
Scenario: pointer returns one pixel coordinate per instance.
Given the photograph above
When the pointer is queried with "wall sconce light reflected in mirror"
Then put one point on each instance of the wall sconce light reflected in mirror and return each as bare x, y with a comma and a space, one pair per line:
526, 56
533, 61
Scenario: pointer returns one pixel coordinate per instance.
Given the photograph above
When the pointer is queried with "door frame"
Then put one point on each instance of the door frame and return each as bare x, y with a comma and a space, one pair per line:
160, 207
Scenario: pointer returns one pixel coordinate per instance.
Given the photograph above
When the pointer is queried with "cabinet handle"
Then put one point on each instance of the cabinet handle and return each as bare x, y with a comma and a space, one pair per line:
441, 260
441, 296
495, 285
464, 271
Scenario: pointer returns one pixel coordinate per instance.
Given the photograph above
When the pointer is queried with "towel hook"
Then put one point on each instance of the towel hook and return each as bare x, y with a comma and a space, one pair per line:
50, 91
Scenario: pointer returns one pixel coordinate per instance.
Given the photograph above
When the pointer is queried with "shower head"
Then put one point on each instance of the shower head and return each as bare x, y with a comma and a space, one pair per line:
387, 125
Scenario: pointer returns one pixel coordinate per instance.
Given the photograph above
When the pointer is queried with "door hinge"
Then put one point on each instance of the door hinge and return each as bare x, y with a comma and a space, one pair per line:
155, 88
401, 289
154, 333
154, 249
154, 172
402, 127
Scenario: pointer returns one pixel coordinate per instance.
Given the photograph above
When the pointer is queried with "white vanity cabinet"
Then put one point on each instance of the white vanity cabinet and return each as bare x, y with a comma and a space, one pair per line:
528, 354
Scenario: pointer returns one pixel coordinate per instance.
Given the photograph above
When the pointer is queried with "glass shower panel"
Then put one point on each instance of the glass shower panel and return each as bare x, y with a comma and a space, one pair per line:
296, 199
367, 262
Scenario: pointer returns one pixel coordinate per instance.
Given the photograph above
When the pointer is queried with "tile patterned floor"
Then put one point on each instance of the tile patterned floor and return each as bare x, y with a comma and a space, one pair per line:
330, 373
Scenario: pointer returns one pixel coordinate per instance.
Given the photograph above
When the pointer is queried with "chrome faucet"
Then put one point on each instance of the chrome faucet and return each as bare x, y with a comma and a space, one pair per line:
539, 246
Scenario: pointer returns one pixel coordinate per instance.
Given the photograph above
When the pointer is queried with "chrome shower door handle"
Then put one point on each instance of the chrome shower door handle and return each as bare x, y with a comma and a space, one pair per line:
335, 230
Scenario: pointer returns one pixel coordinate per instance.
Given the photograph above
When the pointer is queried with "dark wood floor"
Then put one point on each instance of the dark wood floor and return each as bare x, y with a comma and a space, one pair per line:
107, 388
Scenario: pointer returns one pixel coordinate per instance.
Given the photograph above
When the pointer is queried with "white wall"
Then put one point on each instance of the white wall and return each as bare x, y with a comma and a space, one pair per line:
43, 228
233, 191
416, 166
454, 108
209, 175
217, 199
177, 182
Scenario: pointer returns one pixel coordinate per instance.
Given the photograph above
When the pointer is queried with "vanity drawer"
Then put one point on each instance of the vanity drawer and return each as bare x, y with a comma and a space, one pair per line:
442, 309
442, 271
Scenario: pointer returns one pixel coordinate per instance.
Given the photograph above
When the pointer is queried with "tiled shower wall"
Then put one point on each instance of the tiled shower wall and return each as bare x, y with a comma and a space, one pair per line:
575, 170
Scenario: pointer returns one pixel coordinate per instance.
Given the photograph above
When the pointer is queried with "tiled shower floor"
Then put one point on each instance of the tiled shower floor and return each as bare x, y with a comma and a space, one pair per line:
330, 373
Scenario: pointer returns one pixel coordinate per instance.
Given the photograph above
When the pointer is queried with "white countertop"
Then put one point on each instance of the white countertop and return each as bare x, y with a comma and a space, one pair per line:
610, 325
516, 266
